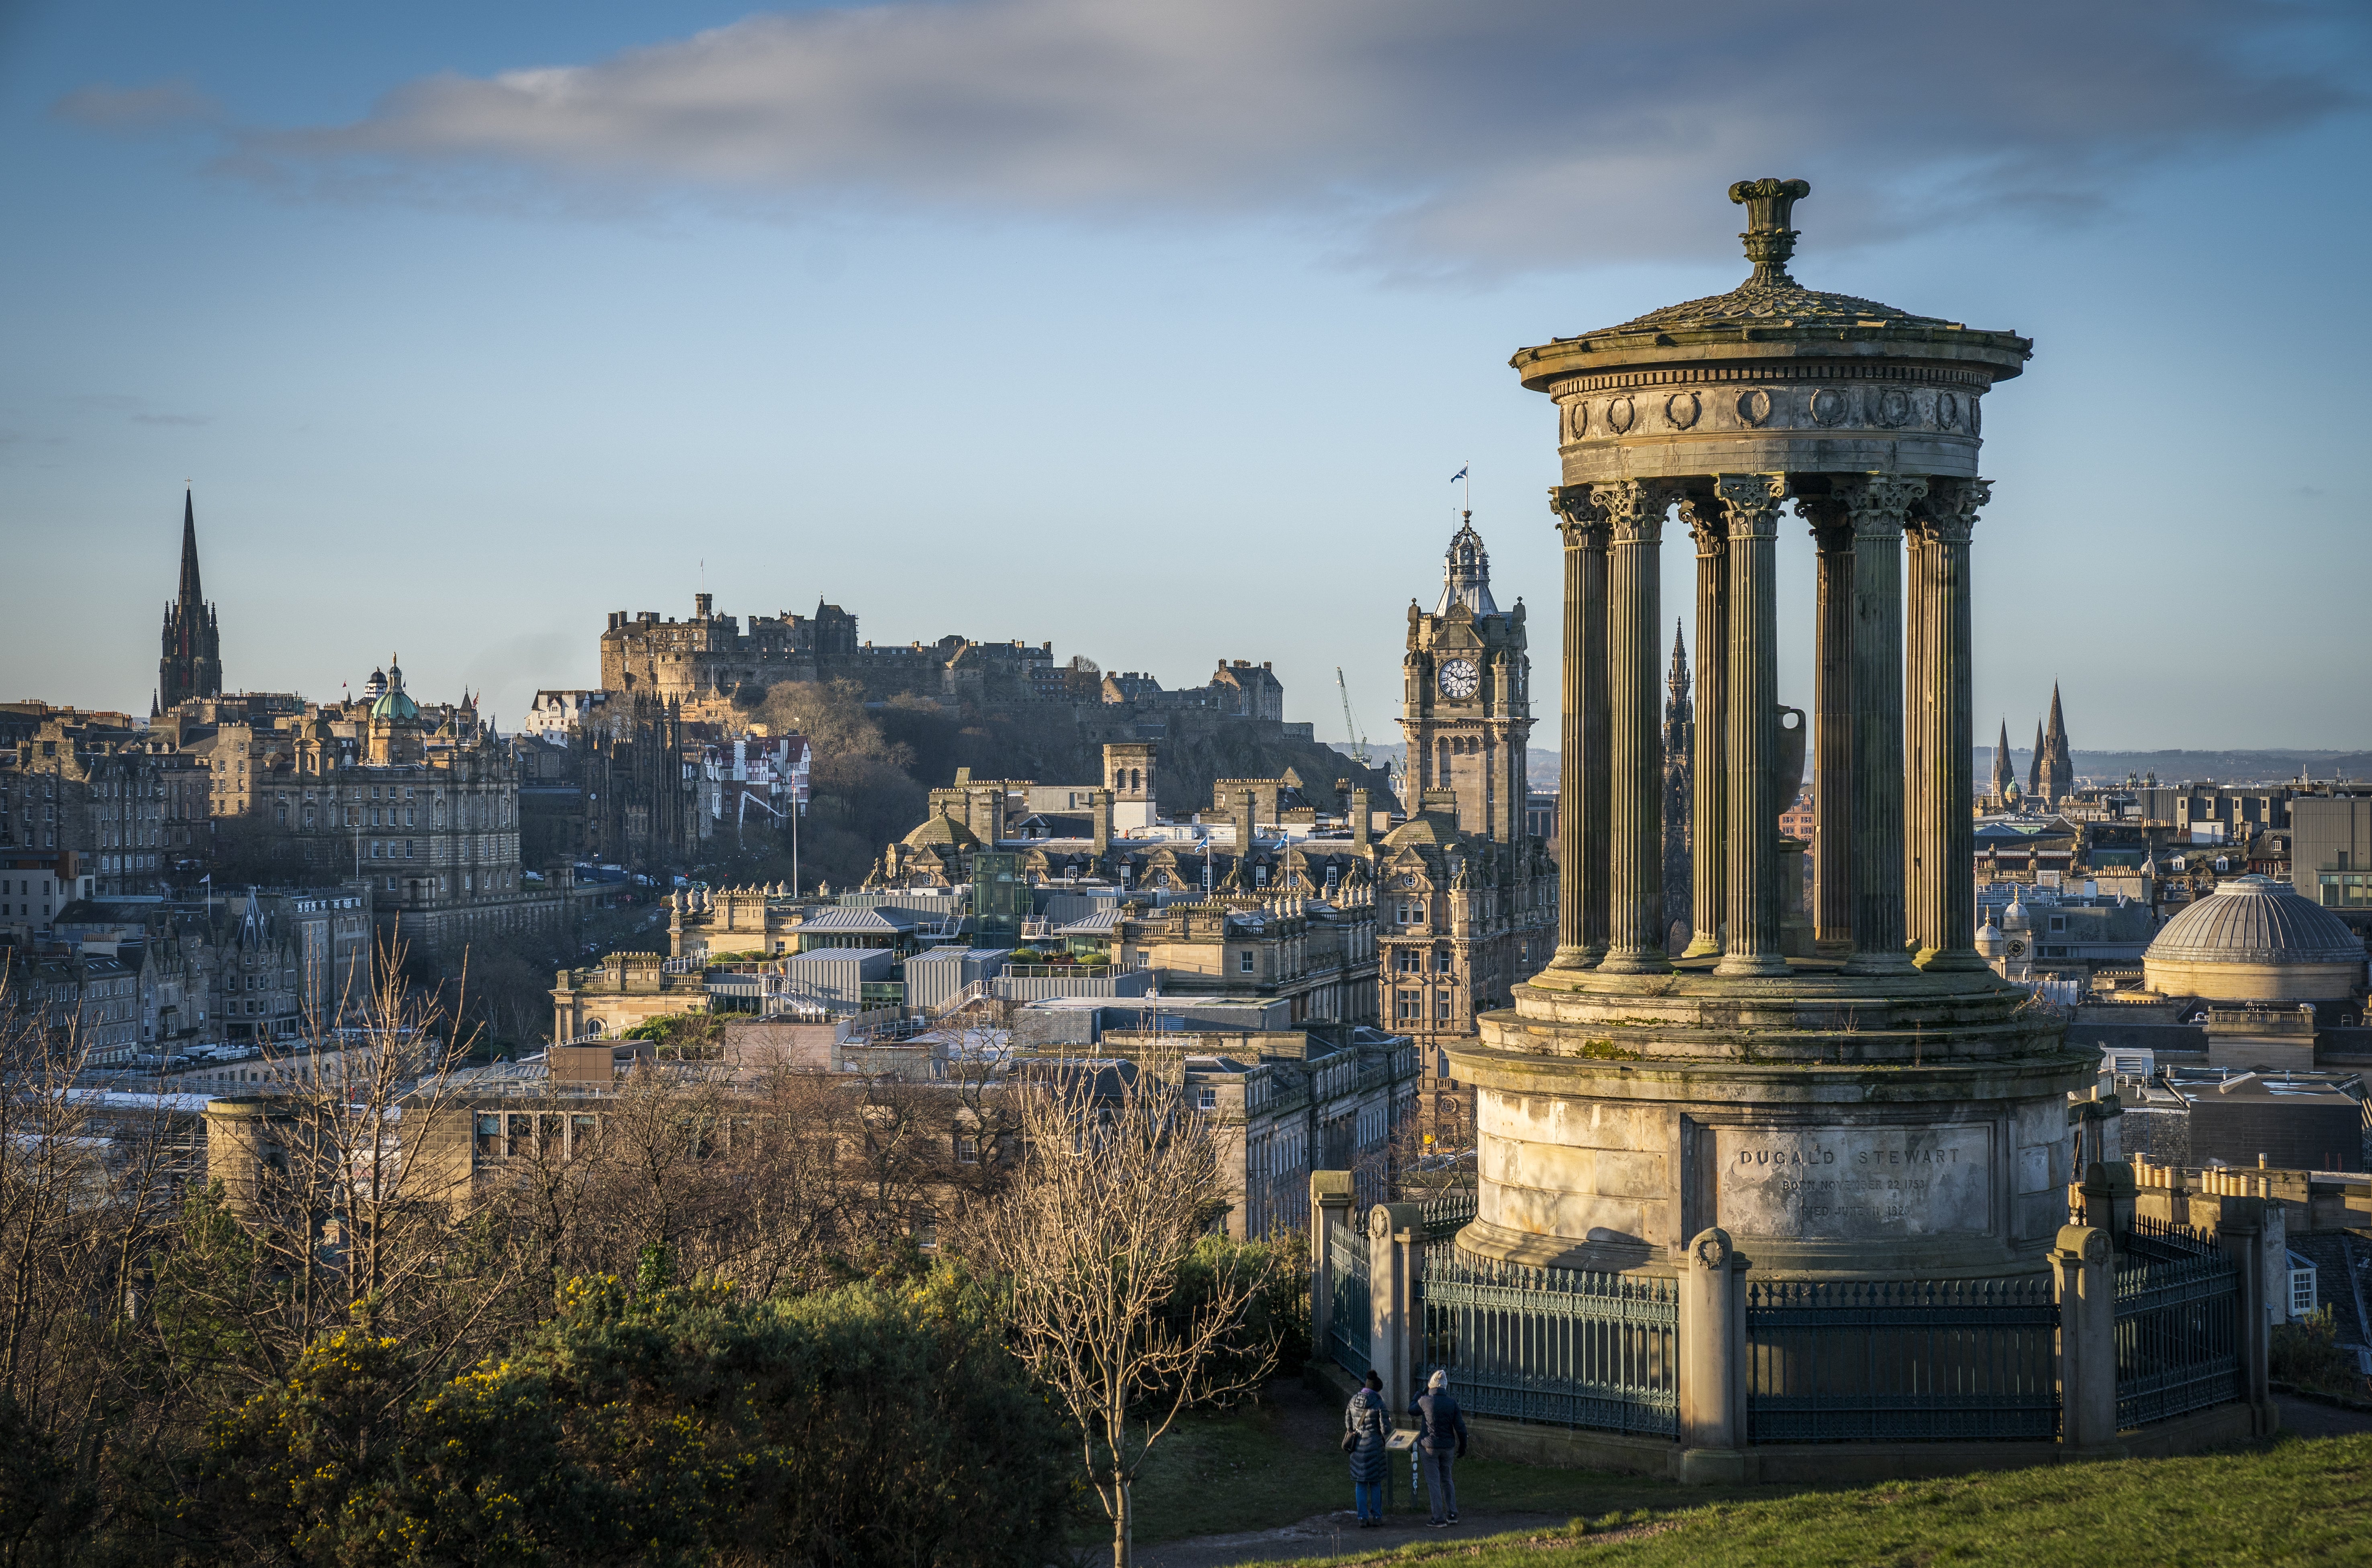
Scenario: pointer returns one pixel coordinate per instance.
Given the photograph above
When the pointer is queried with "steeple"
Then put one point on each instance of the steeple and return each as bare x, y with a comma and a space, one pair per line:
192, 596
2002, 775
190, 663
1678, 681
2034, 768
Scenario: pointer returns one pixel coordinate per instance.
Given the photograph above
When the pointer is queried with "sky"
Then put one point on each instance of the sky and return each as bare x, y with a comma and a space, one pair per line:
1153, 331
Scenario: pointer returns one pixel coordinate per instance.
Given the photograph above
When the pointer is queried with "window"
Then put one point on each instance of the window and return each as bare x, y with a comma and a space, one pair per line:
1442, 963
1244, 961
1411, 961
1208, 1098
1409, 1006
967, 1150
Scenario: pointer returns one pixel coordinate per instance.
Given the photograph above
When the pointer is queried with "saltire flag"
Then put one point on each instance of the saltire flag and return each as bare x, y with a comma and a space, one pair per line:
1459, 474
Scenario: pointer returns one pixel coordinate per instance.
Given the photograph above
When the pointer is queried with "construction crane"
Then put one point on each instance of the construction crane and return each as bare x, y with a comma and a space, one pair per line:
1350, 725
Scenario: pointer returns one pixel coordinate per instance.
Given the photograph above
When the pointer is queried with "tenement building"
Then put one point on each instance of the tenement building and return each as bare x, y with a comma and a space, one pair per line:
1886, 1107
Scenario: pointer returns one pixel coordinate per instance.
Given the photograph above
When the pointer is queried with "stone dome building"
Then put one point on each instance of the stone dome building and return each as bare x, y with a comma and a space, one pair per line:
2255, 939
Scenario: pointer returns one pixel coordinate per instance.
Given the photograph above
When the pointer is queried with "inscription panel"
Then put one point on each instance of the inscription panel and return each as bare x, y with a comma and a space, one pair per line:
1854, 1183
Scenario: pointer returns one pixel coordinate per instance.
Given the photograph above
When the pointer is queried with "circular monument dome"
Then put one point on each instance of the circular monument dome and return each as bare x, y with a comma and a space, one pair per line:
2255, 939
1989, 940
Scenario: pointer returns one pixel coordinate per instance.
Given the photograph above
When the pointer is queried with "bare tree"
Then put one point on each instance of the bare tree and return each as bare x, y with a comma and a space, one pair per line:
1122, 1179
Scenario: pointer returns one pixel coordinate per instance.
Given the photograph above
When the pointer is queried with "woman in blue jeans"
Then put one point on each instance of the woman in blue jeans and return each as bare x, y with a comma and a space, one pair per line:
1364, 1421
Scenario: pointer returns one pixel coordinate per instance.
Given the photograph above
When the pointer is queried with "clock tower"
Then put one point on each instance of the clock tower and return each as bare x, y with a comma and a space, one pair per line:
1467, 712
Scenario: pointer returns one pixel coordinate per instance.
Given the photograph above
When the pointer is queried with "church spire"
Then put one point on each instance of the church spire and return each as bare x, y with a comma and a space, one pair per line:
191, 598
1679, 679
2003, 777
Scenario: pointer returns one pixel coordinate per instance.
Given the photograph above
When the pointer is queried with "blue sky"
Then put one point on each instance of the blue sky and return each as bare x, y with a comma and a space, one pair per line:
1153, 331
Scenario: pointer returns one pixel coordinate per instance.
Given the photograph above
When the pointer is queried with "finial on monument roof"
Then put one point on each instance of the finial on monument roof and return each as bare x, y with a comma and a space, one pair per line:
1769, 204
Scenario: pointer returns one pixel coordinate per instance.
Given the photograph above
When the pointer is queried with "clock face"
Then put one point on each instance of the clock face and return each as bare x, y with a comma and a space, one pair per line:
1458, 678
2017, 949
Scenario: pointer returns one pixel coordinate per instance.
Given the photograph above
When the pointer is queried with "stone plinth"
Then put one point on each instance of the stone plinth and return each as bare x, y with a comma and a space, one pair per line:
1913, 1126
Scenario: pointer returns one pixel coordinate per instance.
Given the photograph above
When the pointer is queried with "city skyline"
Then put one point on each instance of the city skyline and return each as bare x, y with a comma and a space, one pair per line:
456, 373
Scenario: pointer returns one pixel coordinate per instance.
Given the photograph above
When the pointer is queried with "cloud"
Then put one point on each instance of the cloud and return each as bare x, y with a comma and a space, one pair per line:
104, 108
173, 419
1508, 135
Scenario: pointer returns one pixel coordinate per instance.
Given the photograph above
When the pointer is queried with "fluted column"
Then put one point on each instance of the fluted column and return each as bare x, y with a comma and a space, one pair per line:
1634, 510
1582, 778
1708, 767
1947, 937
1750, 835
1919, 915
1875, 506
1832, 726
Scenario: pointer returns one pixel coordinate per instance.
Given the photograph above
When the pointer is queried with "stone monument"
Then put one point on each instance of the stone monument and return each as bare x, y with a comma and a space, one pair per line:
1878, 1104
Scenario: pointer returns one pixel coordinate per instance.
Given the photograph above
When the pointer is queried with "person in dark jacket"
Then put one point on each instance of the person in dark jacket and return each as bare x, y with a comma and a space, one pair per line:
1441, 1440
1365, 1420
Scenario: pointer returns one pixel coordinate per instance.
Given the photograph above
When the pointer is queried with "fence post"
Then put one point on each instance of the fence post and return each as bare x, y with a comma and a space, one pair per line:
1395, 1253
1713, 1361
2240, 1231
2086, 1287
1330, 1203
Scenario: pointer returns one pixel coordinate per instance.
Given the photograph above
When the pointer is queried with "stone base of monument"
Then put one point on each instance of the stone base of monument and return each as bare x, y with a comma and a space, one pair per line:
1837, 1126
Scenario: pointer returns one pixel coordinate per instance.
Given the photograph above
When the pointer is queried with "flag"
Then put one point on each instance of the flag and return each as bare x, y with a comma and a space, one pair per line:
1459, 474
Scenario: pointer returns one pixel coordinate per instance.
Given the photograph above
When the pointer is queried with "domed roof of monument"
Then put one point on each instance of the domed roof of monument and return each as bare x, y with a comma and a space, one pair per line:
1989, 941
942, 832
2256, 920
1772, 302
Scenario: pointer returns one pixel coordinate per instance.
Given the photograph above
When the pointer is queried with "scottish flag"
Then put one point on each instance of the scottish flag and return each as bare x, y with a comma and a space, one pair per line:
1459, 474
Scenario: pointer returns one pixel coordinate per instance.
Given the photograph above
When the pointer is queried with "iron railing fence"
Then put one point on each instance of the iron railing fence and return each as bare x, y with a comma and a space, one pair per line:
1347, 1326
1447, 1212
2177, 1324
1876, 1361
1558, 1346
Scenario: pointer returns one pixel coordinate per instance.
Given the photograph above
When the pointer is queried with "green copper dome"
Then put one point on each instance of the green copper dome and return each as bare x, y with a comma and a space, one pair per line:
396, 705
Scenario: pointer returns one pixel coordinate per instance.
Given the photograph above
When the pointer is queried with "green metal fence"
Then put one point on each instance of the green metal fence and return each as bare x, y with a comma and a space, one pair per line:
1560, 1346
2177, 1324
1347, 1327
1901, 1361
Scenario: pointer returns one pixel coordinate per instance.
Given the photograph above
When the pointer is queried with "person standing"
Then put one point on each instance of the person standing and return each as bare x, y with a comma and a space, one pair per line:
1441, 1442
1365, 1427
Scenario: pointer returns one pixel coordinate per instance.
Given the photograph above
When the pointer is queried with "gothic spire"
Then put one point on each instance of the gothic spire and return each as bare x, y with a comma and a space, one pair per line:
2002, 775
1679, 679
191, 597
2058, 724
2034, 769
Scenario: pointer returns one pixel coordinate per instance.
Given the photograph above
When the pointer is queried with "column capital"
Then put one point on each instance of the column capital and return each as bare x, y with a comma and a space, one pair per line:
1753, 501
1948, 514
1829, 519
1702, 516
1634, 508
1878, 504
1577, 512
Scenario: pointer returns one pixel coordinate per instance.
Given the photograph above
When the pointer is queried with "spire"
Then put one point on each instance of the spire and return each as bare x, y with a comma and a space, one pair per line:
2034, 769
1679, 679
192, 598
2002, 775
2058, 724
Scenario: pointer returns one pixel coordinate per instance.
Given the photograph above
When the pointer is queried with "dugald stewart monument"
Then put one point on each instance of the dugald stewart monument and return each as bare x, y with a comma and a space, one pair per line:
1878, 1105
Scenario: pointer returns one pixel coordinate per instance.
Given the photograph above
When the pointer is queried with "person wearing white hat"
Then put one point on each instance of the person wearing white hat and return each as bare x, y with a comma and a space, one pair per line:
1441, 1439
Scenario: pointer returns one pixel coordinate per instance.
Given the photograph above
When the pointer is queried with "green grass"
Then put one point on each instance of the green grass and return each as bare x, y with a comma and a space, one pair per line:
2300, 1502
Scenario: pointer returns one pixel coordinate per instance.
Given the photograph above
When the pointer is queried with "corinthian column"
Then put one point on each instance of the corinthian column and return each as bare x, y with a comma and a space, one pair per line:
1832, 726
1634, 510
1582, 779
1708, 768
1750, 836
1874, 506
1948, 937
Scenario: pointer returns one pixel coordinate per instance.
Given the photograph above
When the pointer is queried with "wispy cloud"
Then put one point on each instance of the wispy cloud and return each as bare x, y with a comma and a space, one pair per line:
103, 107
1514, 134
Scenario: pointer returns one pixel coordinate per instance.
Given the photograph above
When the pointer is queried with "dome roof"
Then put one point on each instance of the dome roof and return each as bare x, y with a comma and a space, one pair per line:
942, 832
1989, 941
2016, 917
1789, 304
1427, 830
2256, 920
